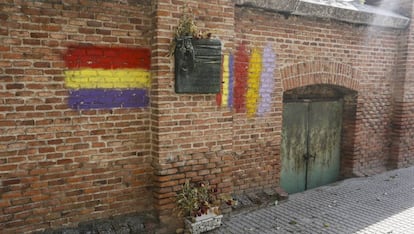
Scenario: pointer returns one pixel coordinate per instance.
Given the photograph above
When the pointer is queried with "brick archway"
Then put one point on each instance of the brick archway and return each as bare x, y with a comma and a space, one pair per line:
319, 72
335, 74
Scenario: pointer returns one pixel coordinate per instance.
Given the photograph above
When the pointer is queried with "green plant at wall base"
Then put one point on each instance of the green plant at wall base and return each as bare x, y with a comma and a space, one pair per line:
187, 200
195, 199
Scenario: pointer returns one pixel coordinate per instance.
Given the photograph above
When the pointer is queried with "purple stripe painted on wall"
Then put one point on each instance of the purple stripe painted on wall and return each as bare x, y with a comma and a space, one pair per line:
267, 80
107, 98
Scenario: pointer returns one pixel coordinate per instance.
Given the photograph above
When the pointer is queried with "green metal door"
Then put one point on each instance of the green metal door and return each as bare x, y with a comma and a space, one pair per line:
310, 144
293, 148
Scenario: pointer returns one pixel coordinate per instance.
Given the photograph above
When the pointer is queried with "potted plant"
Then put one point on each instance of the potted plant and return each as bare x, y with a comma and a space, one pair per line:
199, 206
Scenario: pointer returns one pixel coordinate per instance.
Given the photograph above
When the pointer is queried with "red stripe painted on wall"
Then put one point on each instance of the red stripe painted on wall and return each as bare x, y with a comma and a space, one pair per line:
107, 58
219, 98
241, 65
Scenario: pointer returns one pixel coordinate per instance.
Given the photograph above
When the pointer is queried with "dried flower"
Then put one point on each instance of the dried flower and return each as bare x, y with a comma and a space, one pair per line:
195, 200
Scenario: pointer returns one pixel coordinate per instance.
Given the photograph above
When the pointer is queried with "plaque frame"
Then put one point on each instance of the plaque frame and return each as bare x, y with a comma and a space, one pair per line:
197, 65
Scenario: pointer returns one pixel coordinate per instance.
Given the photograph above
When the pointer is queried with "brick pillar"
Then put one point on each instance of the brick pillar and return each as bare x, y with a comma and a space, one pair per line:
191, 135
403, 114
161, 84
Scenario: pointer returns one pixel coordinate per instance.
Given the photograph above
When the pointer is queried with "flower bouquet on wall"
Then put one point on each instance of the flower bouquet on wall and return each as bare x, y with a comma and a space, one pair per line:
197, 57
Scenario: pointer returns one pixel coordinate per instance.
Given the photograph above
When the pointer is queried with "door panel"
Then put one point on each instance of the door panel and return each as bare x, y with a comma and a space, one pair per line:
293, 147
311, 129
325, 121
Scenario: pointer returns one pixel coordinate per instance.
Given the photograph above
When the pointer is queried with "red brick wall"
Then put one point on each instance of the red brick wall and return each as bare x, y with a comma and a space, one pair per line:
58, 165
403, 111
297, 40
252, 150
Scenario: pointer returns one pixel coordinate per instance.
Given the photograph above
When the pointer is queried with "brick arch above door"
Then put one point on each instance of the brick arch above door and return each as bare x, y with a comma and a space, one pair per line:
320, 72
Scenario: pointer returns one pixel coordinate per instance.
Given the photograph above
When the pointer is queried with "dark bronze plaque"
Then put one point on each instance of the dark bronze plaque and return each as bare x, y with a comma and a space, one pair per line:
197, 65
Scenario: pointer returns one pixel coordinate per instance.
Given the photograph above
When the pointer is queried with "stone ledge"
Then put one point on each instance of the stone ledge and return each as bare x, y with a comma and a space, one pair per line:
250, 201
342, 10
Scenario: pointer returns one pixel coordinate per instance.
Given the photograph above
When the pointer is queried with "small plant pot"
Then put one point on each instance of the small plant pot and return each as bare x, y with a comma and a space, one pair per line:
203, 223
211, 212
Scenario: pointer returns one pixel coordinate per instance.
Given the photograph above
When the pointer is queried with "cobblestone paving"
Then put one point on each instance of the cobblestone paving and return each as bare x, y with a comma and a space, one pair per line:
379, 204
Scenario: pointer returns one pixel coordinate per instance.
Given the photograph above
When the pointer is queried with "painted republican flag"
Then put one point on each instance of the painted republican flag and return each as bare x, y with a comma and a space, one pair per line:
248, 80
103, 77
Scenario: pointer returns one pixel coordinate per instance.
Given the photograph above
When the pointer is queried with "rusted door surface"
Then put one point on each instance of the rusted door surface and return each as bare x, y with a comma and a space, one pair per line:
294, 141
310, 144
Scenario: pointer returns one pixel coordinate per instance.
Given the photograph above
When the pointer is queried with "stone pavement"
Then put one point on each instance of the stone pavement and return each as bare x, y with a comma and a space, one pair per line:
144, 223
382, 203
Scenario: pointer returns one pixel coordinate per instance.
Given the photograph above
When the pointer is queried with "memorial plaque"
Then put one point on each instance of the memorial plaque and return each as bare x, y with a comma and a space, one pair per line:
197, 66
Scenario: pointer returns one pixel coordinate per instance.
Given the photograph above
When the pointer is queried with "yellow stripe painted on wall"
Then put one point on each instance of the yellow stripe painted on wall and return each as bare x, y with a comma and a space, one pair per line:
103, 78
253, 82
225, 94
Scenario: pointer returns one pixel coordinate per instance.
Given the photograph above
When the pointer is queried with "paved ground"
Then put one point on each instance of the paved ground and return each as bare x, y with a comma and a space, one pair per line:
380, 204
